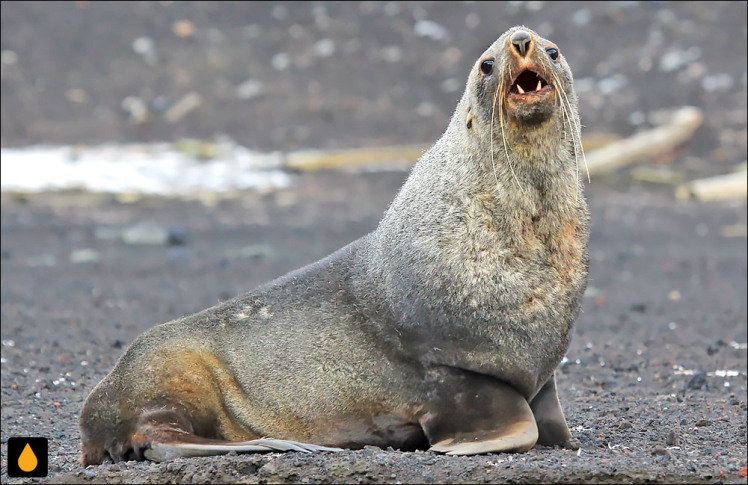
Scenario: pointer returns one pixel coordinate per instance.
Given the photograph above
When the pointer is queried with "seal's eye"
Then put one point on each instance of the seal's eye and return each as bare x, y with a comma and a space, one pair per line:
552, 53
486, 67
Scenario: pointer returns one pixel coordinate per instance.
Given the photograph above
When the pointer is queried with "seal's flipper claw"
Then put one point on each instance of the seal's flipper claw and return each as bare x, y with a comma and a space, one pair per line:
170, 451
496, 418
552, 427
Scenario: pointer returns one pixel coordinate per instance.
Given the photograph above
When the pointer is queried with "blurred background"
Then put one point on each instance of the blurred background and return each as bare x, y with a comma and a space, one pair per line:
212, 101
282, 76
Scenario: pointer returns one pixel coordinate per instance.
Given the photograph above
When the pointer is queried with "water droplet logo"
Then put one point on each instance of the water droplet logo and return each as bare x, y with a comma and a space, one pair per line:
28, 457
27, 461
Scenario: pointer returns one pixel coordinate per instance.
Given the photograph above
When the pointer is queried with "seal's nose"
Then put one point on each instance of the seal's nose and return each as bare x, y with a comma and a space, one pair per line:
521, 41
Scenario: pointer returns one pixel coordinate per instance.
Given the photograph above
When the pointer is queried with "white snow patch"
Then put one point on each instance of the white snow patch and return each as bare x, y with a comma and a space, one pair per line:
153, 169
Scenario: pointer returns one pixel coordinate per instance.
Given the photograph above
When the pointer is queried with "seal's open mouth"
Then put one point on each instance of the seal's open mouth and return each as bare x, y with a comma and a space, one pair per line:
528, 82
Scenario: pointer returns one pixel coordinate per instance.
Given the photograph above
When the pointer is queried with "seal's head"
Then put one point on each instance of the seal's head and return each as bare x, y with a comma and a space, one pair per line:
522, 80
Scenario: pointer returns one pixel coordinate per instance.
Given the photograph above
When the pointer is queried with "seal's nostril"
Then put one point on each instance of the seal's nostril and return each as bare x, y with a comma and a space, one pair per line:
521, 41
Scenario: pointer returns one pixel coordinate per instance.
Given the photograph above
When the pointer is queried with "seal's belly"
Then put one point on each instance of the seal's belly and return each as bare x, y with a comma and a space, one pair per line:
394, 429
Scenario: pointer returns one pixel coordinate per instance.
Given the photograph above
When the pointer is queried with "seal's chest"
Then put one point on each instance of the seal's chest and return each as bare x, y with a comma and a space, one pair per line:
529, 261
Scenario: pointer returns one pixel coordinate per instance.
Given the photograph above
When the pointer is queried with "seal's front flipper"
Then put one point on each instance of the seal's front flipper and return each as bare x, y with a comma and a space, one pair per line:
552, 427
517, 437
483, 415
170, 451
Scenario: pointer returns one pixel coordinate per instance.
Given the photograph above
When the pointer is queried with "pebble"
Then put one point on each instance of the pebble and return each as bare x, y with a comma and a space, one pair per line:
281, 61
430, 29
146, 48
672, 61
145, 233
660, 450
581, 17
391, 54
188, 103
249, 89
703, 422
572, 444
451, 85
8, 57
672, 438
324, 48
176, 236
86, 255
697, 381
717, 82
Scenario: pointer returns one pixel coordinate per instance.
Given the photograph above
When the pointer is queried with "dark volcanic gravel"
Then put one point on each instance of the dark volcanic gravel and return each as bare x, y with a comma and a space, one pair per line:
654, 388
642, 387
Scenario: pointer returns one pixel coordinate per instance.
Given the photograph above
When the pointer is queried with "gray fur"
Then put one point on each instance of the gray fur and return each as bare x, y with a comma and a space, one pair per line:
469, 286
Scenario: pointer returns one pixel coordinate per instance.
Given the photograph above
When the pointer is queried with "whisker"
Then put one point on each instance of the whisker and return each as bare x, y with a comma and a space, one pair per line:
493, 110
567, 117
500, 87
578, 130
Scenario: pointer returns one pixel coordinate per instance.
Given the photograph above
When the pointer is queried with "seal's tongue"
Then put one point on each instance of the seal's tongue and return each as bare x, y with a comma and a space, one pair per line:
528, 81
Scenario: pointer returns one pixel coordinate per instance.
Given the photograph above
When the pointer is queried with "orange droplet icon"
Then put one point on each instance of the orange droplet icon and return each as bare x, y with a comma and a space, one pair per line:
27, 461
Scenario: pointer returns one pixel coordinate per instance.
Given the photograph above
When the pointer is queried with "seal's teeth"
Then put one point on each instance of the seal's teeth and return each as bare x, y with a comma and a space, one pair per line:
519, 88
540, 85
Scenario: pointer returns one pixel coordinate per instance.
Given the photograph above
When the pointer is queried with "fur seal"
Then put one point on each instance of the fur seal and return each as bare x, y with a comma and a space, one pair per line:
441, 328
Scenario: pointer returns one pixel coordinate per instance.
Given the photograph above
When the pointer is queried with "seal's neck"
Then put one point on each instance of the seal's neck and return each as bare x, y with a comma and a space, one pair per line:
523, 169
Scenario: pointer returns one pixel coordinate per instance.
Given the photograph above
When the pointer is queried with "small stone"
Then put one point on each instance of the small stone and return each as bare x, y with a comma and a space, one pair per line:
8, 57
391, 54
89, 473
281, 61
324, 48
659, 450
697, 381
451, 85
672, 438
703, 422
183, 28
251, 88
269, 468
639, 308
145, 233
86, 255
176, 236
571, 444
430, 29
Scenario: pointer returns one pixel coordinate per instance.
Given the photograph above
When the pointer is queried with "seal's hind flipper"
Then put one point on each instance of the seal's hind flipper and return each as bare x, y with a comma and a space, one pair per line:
485, 416
552, 427
170, 451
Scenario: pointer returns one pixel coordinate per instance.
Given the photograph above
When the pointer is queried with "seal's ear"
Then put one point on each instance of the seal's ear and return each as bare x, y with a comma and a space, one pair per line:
469, 119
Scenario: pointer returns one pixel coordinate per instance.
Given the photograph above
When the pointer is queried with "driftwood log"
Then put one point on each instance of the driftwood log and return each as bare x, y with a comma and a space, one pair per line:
647, 144
605, 152
729, 186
